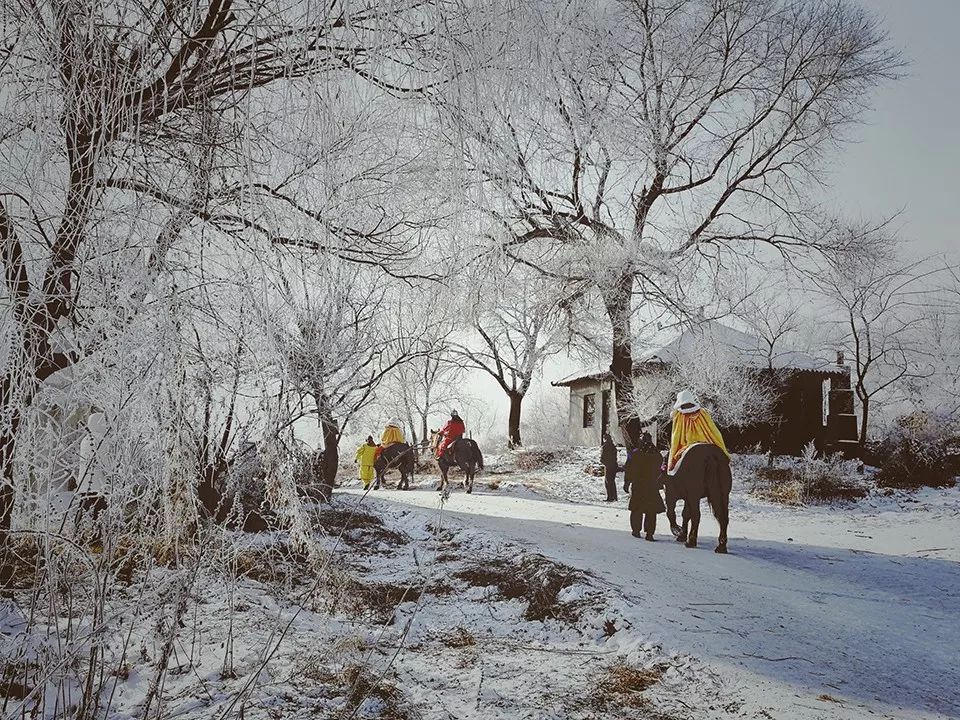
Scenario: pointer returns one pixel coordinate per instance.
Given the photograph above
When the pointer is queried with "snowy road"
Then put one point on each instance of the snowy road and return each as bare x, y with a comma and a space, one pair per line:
862, 608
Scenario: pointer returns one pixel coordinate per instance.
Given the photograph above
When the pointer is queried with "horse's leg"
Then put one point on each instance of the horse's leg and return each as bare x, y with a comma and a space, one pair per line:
671, 511
443, 477
672, 514
694, 521
681, 533
721, 510
471, 469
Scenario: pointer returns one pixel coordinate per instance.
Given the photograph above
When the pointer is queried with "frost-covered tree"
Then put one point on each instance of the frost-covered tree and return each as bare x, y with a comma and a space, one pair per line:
128, 127
626, 147
424, 386
775, 317
337, 335
516, 322
733, 384
937, 395
881, 301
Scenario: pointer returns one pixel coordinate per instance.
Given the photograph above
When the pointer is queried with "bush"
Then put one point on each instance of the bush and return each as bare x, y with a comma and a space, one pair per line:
921, 450
534, 459
813, 479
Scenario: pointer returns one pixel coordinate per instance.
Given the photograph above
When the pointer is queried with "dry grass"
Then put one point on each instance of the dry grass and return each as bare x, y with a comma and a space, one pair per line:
828, 698
535, 580
459, 638
363, 686
15, 680
376, 601
534, 459
356, 684
276, 563
623, 685
358, 527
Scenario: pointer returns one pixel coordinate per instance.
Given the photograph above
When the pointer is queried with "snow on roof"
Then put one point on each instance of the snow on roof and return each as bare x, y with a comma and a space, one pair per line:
744, 350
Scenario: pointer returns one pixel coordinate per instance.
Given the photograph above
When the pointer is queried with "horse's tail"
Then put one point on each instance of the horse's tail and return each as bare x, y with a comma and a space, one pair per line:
719, 483
479, 456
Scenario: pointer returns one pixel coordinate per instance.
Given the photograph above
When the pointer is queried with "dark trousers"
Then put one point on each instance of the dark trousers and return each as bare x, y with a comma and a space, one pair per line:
643, 522
610, 479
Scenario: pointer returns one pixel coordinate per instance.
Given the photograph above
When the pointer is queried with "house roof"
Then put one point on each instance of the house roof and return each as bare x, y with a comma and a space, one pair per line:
714, 337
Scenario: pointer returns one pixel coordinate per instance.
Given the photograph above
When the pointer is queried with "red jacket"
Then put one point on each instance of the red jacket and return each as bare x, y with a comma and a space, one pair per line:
454, 429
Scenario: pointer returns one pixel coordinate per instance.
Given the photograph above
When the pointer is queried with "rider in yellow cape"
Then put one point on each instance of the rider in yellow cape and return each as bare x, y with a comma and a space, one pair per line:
392, 434
692, 424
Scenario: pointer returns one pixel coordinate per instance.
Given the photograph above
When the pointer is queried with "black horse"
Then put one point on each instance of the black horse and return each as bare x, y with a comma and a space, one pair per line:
464, 454
398, 456
704, 473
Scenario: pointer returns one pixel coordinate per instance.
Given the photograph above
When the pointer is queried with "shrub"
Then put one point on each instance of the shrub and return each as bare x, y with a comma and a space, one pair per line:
534, 459
813, 479
920, 450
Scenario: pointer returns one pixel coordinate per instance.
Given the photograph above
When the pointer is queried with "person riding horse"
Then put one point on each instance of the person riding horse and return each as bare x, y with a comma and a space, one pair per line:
392, 434
393, 453
692, 424
698, 466
450, 433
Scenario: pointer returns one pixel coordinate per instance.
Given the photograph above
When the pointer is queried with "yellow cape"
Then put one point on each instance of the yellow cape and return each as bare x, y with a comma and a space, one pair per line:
391, 434
691, 428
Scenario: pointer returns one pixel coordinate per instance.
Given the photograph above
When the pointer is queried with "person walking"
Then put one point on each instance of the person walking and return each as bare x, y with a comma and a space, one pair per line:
643, 473
611, 465
365, 458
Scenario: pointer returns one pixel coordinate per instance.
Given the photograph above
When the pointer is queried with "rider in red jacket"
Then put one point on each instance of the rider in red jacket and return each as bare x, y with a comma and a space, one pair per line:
451, 432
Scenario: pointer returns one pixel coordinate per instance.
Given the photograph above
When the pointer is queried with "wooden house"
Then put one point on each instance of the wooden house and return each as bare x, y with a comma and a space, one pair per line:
812, 400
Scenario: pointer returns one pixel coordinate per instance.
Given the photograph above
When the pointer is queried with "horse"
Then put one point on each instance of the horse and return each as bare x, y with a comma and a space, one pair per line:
463, 453
398, 456
704, 472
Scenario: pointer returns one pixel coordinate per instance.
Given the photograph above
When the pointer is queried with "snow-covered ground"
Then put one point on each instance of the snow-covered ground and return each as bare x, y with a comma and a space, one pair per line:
530, 599
829, 611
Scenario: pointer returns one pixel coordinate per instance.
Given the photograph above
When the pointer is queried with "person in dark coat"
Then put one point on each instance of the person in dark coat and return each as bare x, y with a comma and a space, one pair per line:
643, 473
611, 466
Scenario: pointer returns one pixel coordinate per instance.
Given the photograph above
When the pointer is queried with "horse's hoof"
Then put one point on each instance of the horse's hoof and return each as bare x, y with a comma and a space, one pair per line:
690, 544
721, 549
469, 490
675, 529
681, 538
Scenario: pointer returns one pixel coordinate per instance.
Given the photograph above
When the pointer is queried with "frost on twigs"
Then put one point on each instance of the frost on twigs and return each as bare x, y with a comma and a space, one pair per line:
809, 479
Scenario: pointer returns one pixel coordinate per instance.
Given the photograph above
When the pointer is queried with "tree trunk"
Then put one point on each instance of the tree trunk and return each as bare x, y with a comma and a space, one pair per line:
865, 407
331, 451
513, 422
619, 309
13, 397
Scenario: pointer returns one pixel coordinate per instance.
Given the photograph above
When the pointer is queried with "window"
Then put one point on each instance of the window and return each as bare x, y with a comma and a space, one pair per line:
589, 409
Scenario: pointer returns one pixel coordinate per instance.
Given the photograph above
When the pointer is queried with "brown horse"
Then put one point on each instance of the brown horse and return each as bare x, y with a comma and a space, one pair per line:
703, 473
398, 456
464, 454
